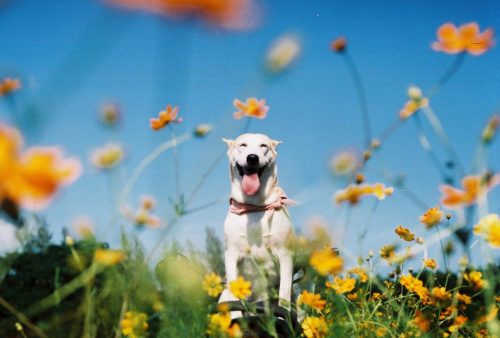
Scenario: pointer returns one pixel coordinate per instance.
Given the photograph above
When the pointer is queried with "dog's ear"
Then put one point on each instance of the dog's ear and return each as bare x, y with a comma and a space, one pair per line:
230, 143
275, 143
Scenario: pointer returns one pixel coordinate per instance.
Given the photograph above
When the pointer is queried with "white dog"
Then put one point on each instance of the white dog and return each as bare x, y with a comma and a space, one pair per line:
257, 226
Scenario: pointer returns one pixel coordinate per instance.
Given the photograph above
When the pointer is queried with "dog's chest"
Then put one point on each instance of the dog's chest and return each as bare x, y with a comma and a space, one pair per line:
259, 229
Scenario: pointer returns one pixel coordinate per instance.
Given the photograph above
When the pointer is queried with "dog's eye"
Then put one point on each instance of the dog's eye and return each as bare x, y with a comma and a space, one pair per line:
243, 145
264, 146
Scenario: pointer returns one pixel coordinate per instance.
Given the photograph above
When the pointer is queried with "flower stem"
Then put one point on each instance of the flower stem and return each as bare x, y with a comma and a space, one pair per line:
447, 75
176, 165
442, 248
363, 102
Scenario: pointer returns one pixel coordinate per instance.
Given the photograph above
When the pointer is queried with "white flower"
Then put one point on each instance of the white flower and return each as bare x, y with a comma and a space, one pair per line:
8, 239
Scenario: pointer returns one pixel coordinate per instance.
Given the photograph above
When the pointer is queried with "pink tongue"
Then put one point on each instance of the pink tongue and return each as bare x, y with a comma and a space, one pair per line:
250, 184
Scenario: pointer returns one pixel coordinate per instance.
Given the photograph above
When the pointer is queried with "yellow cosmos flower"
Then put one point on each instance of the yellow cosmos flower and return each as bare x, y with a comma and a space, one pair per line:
404, 233
108, 257
440, 294
311, 299
212, 284
134, 324
430, 263
354, 192
431, 217
314, 327
326, 261
8, 85
464, 298
252, 108
342, 285
363, 277
165, 117
416, 102
240, 288
107, 157
489, 228
416, 286
459, 321
475, 279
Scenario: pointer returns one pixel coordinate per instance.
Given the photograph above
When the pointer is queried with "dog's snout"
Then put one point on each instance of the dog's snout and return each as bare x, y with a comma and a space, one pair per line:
252, 159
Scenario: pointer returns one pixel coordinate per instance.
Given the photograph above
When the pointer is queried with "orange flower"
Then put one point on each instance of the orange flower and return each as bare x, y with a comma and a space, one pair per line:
353, 192
108, 257
339, 44
252, 108
431, 217
230, 14
311, 299
165, 117
32, 178
489, 228
404, 233
342, 285
473, 188
326, 261
466, 38
8, 85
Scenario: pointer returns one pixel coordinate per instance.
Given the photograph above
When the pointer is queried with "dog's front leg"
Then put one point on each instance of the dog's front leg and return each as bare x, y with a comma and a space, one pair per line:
286, 272
231, 263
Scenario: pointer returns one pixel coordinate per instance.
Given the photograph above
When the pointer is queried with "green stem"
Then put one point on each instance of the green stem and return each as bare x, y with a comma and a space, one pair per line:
22, 318
442, 248
176, 166
447, 75
363, 102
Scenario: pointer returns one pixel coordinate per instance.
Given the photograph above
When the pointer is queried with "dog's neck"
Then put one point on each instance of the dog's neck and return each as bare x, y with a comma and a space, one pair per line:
267, 193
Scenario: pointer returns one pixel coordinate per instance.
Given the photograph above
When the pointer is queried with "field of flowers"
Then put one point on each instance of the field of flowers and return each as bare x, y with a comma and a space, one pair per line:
84, 287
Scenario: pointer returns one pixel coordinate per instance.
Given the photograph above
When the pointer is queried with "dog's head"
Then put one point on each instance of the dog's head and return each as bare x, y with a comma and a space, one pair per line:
252, 160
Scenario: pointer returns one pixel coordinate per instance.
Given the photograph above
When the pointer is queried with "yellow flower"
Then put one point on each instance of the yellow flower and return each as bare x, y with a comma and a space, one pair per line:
363, 277
474, 187
33, 178
352, 297
404, 233
110, 114
388, 252
489, 228
354, 192
440, 294
466, 38
107, 157
134, 324
339, 44
416, 102
326, 261
416, 286
19, 327
464, 298
430, 263
202, 130
421, 321
218, 323
431, 217
165, 117
212, 284
314, 327
8, 85
143, 216
252, 108
475, 278
459, 321
311, 299
342, 285
108, 257
381, 332
282, 53
343, 163
240, 288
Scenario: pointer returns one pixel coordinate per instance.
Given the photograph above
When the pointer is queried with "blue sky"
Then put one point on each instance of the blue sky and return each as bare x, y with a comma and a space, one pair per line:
74, 55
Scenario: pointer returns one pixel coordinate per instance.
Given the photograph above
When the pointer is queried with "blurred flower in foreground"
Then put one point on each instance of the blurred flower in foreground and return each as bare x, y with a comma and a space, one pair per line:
83, 226
8, 238
240, 288
202, 130
134, 324
110, 114
212, 284
282, 53
466, 38
311, 299
8, 85
404, 233
32, 178
354, 192
489, 228
108, 257
252, 108
229, 14
491, 129
430, 263
107, 157
342, 285
431, 217
416, 102
474, 187
339, 44
314, 327
475, 279
326, 261
343, 163
143, 216
219, 325
165, 117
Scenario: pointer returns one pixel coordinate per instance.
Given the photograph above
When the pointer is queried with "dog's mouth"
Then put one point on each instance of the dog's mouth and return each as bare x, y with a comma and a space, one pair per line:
250, 182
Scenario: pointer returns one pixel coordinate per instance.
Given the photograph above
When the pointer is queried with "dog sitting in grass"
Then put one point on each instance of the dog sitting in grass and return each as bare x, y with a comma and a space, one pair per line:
257, 229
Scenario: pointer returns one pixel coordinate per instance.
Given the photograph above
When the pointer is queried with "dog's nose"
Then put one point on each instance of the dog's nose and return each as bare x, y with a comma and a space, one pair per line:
252, 159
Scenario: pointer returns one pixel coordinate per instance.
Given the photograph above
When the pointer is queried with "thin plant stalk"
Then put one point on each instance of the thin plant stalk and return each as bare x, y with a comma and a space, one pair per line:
447, 75
442, 248
361, 92
22, 318
176, 165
